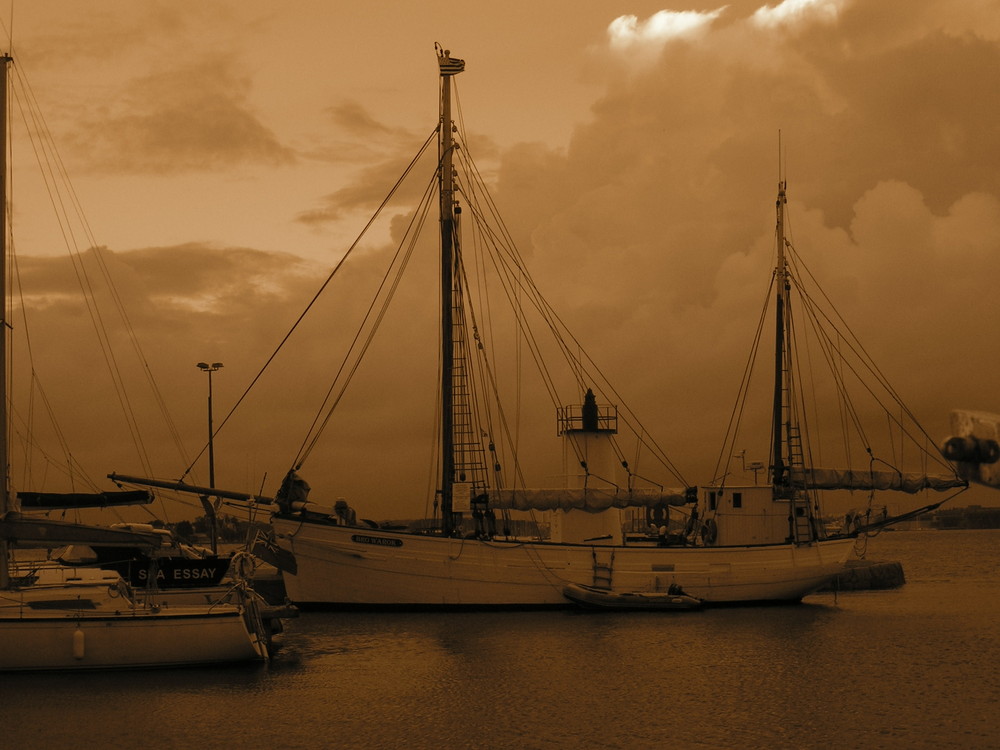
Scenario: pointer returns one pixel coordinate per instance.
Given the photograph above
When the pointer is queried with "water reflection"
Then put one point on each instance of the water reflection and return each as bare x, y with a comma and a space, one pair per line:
912, 667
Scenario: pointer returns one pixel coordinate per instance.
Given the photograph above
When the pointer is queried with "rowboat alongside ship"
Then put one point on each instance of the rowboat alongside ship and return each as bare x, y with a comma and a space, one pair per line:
593, 597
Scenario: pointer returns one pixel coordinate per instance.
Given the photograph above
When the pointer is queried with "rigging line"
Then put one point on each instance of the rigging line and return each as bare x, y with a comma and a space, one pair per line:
483, 238
486, 372
736, 415
416, 222
805, 431
833, 352
50, 166
556, 325
565, 339
506, 244
518, 278
510, 282
30, 444
798, 411
317, 295
862, 353
36, 386
485, 356
821, 332
505, 275
832, 355
865, 360
98, 253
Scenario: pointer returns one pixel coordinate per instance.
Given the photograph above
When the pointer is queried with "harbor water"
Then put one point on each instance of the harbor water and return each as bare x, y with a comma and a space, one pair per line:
914, 667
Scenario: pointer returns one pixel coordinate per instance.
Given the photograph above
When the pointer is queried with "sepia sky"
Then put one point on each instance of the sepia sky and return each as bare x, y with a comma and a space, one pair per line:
226, 154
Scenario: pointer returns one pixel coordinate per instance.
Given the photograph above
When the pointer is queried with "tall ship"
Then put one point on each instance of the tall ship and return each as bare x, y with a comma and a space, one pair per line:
605, 524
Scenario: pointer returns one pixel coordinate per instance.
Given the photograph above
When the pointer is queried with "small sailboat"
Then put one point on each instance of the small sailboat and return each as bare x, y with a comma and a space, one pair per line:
171, 565
64, 617
58, 617
606, 526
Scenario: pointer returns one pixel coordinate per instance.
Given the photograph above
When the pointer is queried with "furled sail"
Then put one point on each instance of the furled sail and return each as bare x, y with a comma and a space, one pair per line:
43, 532
865, 479
75, 500
589, 499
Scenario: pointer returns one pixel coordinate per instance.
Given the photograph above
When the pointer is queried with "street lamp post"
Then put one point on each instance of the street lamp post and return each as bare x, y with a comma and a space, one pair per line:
209, 508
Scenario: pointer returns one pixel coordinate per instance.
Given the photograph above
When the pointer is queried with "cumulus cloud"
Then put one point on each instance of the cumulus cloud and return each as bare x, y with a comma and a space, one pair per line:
191, 118
652, 233
629, 34
662, 225
796, 12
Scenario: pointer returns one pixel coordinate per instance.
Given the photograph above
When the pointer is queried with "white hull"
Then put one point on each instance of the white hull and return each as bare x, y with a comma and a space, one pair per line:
340, 565
91, 624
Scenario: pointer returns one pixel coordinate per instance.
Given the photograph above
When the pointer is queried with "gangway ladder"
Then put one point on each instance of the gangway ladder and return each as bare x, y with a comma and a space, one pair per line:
603, 570
801, 528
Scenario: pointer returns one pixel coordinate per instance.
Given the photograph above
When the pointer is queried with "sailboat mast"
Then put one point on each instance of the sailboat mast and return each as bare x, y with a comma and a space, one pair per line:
5, 61
781, 301
448, 67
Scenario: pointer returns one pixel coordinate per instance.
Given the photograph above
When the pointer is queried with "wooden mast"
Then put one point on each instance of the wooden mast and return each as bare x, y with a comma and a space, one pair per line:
779, 470
448, 67
5, 61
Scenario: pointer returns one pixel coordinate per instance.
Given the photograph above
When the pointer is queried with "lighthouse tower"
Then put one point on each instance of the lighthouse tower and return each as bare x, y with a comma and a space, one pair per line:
589, 463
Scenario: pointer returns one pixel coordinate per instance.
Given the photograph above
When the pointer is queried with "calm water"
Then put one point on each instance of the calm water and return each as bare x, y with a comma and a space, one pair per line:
911, 668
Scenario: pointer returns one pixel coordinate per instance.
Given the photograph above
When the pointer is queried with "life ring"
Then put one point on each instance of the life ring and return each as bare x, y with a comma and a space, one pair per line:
243, 565
989, 451
709, 531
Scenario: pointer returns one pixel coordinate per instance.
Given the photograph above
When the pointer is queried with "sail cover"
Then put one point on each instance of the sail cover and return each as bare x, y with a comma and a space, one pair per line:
47, 533
587, 499
854, 479
74, 500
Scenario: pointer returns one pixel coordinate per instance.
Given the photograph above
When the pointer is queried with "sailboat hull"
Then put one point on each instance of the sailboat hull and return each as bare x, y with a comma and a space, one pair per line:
122, 642
86, 624
338, 565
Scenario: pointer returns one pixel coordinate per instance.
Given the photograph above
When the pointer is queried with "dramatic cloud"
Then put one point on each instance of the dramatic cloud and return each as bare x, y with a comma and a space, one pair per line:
798, 12
189, 119
662, 219
628, 34
651, 230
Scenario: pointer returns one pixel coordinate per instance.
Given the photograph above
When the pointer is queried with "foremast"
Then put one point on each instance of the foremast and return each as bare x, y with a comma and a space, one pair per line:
450, 293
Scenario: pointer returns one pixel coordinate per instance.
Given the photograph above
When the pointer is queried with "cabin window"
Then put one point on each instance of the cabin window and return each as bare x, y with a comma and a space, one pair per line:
711, 500
737, 499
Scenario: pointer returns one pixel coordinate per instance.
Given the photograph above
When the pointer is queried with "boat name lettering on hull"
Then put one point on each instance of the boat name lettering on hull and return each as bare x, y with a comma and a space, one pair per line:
380, 541
178, 574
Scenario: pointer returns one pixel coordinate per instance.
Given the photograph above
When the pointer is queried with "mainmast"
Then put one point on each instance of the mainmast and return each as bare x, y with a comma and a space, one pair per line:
449, 67
779, 475
5, 61
787, 447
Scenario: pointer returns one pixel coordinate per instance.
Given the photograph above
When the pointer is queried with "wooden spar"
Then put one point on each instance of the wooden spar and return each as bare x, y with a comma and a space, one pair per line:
448, 67
781, 300
190, 488
5, 61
